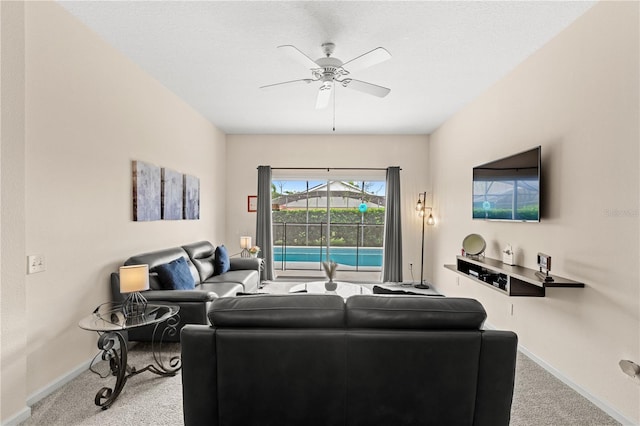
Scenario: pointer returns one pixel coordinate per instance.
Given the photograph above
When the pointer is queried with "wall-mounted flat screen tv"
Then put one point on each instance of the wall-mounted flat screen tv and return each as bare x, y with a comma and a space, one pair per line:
508, 189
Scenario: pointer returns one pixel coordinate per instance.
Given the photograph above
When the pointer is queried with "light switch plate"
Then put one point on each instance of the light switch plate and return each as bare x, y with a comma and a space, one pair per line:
35, 263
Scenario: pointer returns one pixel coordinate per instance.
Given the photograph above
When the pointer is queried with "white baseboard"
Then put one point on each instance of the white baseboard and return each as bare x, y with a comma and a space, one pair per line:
604, 406
58, 383
20, 417
47, 390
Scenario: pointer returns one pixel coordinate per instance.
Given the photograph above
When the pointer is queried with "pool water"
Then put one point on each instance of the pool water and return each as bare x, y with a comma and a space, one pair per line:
365, 256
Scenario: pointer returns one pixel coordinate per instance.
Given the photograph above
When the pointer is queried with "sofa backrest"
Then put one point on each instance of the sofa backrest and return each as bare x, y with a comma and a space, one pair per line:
361, 312
160, 257
279, 311
414, 313
316, 359
202, 254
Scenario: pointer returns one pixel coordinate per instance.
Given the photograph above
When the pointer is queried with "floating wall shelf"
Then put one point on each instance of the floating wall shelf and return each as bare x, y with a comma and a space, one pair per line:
507, 279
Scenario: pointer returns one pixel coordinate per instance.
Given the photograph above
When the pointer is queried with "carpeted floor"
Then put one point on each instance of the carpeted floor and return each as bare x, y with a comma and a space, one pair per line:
147, 399
539, 398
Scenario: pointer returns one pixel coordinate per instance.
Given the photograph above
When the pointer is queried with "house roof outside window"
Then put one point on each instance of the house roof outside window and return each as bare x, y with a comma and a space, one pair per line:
344, 195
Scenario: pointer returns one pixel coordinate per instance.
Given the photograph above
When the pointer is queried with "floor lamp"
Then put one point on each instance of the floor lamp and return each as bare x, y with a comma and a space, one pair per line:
421, 208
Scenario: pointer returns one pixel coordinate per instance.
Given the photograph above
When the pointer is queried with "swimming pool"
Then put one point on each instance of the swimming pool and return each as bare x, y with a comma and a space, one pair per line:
351, 256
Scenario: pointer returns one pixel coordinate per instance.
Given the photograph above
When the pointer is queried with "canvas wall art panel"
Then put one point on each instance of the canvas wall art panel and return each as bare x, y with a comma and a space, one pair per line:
171, 194
191, 197
146, 191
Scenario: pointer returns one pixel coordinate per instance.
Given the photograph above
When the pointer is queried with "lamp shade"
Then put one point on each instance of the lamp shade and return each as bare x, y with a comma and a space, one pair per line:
134, 278
245, 242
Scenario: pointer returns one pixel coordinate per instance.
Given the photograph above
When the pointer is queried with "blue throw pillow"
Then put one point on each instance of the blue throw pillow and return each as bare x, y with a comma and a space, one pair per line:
176, 275
222, 260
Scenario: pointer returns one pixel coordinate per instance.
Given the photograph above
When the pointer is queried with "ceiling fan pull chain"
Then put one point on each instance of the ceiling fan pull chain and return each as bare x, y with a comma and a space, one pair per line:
334, 109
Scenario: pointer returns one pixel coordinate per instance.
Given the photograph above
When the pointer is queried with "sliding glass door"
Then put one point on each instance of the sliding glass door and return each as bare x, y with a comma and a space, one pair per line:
319, 220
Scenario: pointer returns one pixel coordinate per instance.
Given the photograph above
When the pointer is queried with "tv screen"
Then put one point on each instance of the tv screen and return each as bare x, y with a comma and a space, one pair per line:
509, 188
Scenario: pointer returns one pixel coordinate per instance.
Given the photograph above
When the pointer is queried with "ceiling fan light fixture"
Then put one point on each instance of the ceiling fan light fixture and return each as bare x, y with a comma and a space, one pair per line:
327, 85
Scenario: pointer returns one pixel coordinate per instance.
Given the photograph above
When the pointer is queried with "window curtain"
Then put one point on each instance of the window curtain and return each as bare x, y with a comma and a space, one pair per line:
392, 262
264, 238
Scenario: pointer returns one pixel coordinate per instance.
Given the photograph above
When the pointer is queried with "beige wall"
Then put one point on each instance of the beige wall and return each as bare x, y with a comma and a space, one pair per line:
246, 152
12, 208
89, 112
578, 98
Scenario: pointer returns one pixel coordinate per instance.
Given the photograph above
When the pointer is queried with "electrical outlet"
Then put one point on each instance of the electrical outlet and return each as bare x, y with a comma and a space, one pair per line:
510, 309
35, 263
411, 266
458, 281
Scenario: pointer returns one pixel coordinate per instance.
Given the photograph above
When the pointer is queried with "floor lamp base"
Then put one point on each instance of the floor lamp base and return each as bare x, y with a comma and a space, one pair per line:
422, 286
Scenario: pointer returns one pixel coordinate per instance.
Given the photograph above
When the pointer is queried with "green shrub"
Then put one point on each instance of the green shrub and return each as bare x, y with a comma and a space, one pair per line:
346, 227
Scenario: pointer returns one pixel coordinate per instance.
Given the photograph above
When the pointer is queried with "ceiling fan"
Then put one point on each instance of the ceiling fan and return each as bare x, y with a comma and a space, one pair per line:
330, 70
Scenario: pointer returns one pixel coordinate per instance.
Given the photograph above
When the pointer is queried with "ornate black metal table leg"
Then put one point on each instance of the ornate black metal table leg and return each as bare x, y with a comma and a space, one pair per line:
118, 364
109, 342
174, 363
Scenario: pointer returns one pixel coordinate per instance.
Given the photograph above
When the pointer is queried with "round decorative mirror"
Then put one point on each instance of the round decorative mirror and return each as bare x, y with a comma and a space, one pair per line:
473, 244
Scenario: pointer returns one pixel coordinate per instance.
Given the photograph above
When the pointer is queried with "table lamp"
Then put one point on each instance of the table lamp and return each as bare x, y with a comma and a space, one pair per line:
133, 280
245, 243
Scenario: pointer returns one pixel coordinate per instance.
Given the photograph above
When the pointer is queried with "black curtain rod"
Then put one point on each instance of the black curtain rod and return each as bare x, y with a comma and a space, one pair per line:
329, 168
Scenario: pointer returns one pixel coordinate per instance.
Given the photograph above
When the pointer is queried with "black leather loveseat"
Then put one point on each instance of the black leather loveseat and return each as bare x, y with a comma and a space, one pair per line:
243, 276
372, 360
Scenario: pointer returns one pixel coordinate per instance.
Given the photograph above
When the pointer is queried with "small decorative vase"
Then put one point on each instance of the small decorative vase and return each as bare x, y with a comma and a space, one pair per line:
330, 285
254, 254
330, 271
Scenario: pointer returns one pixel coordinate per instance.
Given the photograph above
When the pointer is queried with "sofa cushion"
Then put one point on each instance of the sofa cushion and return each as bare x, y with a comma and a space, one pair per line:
202, 254
222, 260
414, 312
247, 278
278, 311
175, 275
221, 289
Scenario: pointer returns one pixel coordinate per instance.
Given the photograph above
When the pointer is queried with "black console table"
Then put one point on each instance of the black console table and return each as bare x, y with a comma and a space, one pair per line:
507, 279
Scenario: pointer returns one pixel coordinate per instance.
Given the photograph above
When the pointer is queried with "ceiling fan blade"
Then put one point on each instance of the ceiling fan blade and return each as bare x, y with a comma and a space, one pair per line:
295, 54
363, 86
304, 80
324, 95
372, 57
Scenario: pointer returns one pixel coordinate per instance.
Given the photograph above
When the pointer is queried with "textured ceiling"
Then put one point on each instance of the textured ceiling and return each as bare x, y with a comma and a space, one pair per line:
215, 55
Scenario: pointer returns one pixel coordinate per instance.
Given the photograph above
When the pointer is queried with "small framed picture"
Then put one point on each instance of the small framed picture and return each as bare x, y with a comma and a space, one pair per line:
252, 203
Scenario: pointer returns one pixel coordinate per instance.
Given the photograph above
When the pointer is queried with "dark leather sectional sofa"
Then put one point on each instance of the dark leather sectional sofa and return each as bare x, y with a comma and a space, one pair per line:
243, 276
372, 360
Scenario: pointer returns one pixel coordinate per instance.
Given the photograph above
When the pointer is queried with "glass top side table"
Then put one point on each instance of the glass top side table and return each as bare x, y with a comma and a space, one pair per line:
109, 321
